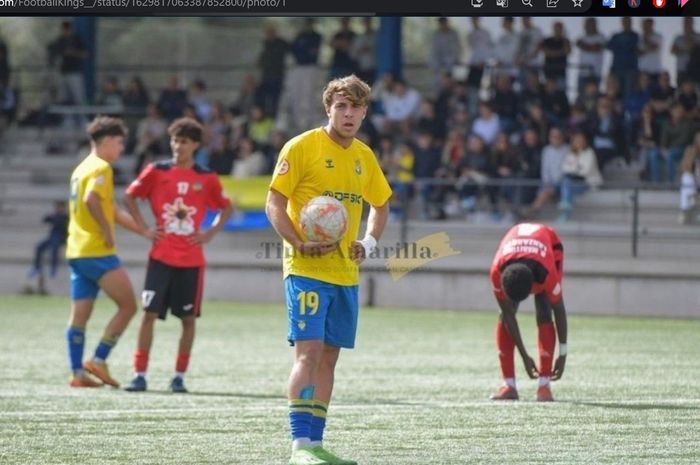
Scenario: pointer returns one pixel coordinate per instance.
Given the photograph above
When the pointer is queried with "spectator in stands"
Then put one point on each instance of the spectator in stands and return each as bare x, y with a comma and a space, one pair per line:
172, 100
649, 138
624, 46
277, 140
259, 126
271, 63
506, 163
58, 221
556, 50
443, 100
613, 91
506, 48
528, 58
536, 120
214, 152
472, 172
69, 50
481, 49
578, 119
531, 94
588, 97
245, 100
688, 98
427, 120
198, 98
136, 95
506, 103
151, 138
676, 134
250, 161
556, 103
4, 67
364, 52
488, 124
663, 96
650, 44
683, 44
342, 62
592, 45
607, 132
427, 161
690, 179
110, 93
553, 156
400, 108
634, 102
530, 163
580, 173
446, 50
398, 169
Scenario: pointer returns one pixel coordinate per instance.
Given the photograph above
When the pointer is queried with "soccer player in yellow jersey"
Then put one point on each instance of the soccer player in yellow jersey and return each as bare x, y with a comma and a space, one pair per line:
321, 279
91, 251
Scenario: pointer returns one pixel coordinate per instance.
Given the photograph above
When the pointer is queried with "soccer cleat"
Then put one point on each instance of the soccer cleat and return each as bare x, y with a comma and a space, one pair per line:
138, 384
505, 392
177, 385
83, 381
329, 457
100, 370
305, 457
544, 394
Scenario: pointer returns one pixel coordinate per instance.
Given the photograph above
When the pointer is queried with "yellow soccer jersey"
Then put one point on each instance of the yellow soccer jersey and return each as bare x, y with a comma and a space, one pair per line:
312, 164
85, 237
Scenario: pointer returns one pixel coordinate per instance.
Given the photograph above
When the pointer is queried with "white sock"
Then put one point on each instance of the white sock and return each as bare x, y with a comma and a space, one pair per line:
509, 382
141, 374
313, 444
301, 443
544, 381
180, 374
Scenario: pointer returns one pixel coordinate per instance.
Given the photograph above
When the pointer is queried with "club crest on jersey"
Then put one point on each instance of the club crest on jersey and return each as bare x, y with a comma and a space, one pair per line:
178, 218
197, 186
329, 163
358, 167
283, 167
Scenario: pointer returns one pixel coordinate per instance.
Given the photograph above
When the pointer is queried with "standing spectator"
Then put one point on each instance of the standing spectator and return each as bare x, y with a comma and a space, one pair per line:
481, 51
676, 134
364, 52
690, 179
136, 95
342, 62
446, 50
68, 48
553, 156
172, 100
58, 220
556, 50
581, 173
650, 44
624, 46
682, 45
506, 49
488, 124
528, 58
271, 63
592, 45
151, 132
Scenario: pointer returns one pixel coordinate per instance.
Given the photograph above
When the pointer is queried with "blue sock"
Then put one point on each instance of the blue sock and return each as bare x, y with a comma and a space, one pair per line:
300, 414
318, 421
76, 343
104, 348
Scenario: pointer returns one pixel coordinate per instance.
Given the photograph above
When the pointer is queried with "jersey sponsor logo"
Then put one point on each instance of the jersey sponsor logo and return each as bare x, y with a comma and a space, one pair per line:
526, 246
178, 218
100, 180
329, 163
343, 196
197, 186
283, 167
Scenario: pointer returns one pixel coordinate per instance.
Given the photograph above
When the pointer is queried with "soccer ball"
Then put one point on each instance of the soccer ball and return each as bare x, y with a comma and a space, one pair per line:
324, 219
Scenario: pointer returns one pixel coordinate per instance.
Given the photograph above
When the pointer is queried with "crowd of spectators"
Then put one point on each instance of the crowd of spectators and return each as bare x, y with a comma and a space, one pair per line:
498, 129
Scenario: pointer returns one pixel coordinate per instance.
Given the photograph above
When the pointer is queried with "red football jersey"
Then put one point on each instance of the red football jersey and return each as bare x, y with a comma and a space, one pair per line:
536, 242
179, 199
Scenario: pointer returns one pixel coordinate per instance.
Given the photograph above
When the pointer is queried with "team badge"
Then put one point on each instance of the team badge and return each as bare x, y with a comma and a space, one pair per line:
329, 163
358, 167
283, 167
178, 218
197, 186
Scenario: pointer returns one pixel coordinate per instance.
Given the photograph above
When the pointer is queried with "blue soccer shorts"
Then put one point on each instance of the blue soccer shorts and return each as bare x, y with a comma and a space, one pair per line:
318, 310
85, 273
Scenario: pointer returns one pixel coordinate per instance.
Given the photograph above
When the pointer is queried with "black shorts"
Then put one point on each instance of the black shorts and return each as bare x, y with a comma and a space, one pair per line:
179, 289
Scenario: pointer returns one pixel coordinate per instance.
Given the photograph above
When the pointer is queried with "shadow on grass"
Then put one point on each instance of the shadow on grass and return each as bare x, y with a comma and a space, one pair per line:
635, 405
242, 395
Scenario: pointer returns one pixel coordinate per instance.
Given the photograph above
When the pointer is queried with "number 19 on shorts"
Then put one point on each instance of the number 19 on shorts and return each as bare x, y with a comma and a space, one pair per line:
308, 300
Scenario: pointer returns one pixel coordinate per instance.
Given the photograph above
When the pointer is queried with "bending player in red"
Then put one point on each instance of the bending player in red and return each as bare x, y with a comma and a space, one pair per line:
530, 260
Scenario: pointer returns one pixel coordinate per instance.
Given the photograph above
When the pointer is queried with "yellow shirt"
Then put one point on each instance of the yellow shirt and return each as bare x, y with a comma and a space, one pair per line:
85, 238
312, 164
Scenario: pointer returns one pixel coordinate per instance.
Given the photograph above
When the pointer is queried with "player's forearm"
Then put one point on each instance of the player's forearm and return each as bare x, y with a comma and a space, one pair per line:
133, 209
511, 322
126, 221
376, 221
276, 210
560, 321
92, 202
221, 219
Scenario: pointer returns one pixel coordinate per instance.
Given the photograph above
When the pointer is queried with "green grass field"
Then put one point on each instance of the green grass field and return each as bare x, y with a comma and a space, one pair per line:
413, 392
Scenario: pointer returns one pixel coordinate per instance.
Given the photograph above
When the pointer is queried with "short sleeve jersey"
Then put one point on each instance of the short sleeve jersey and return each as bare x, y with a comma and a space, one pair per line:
85, 238
312, 164
538, 243
179, 199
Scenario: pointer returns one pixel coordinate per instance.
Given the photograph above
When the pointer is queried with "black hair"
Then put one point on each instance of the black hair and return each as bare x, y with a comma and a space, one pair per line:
517, 280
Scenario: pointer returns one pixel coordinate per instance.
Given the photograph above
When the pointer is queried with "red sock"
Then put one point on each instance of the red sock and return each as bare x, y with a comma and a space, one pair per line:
140, 361
506, 348
546, 339
181, 363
